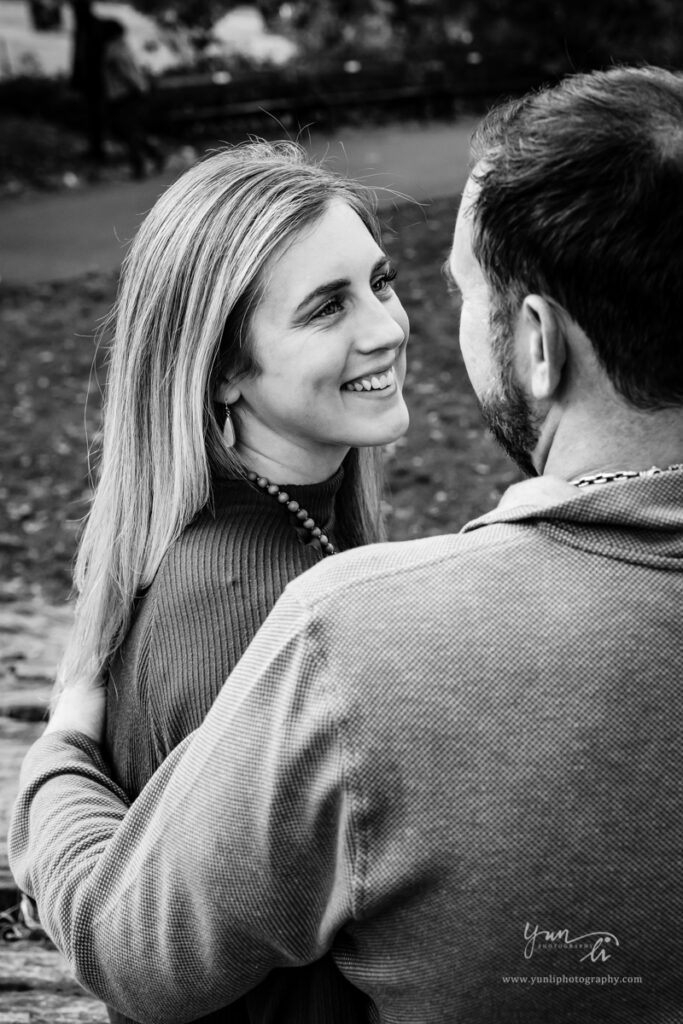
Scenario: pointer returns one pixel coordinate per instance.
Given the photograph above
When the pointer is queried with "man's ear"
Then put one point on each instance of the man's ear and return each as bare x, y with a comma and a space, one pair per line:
227, 391
545, 339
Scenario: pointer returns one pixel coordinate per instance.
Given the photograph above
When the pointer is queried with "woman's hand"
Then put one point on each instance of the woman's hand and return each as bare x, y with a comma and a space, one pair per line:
81, 706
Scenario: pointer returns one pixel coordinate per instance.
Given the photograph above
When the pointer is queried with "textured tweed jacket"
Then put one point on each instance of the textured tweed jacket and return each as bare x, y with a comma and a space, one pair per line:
454, 763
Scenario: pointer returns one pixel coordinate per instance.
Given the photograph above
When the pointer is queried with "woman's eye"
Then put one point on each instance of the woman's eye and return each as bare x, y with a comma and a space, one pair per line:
381, 283
333, 306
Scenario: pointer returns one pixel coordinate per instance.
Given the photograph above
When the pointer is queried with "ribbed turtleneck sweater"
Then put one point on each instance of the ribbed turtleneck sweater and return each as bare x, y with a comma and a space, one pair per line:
214, 588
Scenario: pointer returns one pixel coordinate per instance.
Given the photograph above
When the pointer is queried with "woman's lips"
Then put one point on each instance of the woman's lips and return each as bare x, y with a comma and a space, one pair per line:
371, 382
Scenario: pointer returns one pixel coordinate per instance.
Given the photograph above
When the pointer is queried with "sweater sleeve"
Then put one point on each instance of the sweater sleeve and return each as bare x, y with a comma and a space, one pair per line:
237, 857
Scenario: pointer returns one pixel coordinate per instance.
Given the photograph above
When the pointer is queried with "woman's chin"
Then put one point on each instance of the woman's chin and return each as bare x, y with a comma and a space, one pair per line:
402, 424
391, 429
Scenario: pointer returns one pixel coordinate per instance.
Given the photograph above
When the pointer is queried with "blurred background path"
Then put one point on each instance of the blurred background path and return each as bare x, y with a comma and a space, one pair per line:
63, 235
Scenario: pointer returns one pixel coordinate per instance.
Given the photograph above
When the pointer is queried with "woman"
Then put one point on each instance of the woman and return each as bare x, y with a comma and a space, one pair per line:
257, 365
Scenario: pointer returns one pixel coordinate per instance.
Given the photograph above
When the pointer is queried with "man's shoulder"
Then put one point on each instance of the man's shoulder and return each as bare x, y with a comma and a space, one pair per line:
413, 564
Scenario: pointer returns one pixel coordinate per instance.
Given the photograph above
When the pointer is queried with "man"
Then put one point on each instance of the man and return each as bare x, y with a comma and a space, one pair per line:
455, 763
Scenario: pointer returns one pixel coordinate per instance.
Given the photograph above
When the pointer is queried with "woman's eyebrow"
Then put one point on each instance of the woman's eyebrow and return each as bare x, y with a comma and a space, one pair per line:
334, 286
321, 291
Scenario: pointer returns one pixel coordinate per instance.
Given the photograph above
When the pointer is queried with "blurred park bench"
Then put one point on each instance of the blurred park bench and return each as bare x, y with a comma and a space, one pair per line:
330, 95
194, 103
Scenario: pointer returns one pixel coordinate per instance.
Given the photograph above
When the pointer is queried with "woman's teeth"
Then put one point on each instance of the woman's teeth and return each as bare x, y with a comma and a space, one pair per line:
374, 383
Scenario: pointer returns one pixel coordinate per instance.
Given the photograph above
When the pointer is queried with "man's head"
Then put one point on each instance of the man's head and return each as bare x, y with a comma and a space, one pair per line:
570, 237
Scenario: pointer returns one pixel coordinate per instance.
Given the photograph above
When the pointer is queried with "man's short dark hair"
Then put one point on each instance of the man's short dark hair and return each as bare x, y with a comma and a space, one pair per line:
581, 200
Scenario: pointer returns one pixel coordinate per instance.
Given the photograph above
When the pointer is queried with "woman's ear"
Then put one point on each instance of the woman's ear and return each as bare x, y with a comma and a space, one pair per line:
546, 345
227, 391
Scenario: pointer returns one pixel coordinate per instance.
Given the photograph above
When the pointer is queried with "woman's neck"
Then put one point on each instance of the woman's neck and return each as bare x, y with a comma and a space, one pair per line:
297, 467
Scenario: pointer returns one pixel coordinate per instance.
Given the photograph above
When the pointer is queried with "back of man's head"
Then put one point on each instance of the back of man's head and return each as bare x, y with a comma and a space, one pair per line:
581, 200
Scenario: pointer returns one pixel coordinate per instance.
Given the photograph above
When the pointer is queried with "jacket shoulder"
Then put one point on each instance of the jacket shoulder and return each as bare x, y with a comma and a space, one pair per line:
402, 563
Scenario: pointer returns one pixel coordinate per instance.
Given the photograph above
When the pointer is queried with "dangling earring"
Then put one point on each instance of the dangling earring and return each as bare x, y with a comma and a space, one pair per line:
228, 429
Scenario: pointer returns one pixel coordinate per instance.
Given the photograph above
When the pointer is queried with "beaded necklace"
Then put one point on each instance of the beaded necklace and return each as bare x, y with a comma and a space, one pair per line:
306, 521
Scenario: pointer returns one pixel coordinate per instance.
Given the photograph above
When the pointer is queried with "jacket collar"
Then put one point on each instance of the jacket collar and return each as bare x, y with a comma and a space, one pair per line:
648, 510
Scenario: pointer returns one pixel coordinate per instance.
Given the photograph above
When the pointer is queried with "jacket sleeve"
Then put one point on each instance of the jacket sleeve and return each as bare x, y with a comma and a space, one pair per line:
237, 857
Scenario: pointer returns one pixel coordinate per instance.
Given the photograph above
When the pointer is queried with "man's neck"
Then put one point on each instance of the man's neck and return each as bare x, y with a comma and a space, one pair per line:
632, 440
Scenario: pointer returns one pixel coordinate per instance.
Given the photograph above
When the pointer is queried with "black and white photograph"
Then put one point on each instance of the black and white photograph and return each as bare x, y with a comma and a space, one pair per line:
341, 518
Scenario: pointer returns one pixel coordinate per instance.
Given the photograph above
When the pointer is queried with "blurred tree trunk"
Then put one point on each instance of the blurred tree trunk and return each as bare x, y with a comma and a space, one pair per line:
87, 75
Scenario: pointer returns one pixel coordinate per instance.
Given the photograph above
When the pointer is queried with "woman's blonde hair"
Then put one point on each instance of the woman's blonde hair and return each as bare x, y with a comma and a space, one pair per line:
188, 286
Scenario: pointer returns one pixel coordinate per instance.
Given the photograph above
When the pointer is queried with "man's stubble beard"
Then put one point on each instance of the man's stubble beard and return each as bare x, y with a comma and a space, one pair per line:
505, 407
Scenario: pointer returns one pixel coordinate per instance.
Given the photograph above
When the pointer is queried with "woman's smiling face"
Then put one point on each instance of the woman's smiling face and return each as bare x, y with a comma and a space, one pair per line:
329, 337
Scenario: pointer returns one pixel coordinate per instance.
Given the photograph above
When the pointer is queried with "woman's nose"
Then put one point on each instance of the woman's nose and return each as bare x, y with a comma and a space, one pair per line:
382, 325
